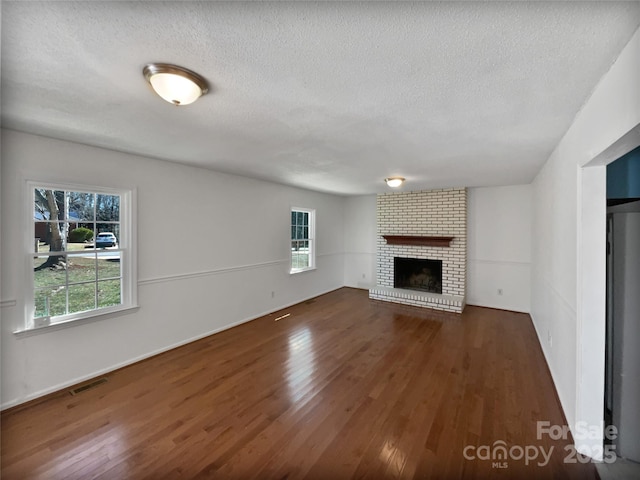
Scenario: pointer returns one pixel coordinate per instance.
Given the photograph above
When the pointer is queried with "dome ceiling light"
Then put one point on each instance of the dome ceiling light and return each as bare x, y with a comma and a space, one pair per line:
394, 182
175, 84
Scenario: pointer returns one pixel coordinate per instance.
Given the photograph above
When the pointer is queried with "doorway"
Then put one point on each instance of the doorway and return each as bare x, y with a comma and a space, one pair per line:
622, 355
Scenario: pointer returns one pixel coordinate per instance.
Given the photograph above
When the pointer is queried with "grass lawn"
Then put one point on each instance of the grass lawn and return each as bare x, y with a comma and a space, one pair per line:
87, 282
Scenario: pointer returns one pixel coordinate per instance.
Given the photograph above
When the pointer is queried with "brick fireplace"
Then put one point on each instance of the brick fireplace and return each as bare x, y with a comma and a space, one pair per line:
429, 227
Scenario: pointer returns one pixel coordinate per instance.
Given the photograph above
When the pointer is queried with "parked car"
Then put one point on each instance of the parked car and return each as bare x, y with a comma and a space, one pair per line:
106, 239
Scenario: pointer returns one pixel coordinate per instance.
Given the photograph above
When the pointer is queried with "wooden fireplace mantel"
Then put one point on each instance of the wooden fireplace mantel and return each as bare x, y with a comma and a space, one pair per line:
417, 240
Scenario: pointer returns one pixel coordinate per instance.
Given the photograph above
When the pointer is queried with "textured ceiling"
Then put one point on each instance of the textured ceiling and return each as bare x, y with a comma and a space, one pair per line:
328, 96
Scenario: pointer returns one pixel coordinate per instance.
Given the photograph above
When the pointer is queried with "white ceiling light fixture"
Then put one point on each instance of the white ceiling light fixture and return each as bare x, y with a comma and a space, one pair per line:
175, 84
394, 182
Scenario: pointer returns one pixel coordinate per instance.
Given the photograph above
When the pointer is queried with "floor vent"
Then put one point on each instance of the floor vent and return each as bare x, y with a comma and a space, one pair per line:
88, 386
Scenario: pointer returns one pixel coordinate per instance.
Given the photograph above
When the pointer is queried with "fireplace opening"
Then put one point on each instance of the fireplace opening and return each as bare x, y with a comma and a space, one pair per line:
417, 274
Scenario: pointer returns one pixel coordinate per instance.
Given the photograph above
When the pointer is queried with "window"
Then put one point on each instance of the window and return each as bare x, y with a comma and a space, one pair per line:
81, 262
302, 239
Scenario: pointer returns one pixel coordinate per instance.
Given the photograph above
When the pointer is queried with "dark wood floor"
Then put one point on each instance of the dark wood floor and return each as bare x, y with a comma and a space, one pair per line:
344, 387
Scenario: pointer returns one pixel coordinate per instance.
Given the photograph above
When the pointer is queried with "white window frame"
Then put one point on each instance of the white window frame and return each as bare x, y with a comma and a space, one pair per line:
311, 240
126, 248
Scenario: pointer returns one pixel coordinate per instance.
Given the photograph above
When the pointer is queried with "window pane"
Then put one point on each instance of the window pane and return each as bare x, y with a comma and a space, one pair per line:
305, 218
300, 218
82, 297
48, 204
51, 301
49, 271
81, 268
52, 235
109, 293
293, 232
305, 232
41, 306
108, 264
300, 260
81, 206
108, 208
293, 218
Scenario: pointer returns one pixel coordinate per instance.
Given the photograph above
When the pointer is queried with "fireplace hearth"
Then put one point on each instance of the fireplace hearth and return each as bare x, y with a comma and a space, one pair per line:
429, 228
417, 274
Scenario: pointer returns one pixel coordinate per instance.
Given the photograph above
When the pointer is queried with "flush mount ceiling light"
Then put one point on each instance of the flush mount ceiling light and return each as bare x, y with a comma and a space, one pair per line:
175, 84
394, 182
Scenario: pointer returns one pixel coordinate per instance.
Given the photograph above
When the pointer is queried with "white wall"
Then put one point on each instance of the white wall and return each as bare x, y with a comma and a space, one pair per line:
212, 248
360, 242
499, 247
568, 281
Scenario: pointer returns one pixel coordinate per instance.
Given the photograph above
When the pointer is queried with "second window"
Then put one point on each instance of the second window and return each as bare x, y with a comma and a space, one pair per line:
302, 239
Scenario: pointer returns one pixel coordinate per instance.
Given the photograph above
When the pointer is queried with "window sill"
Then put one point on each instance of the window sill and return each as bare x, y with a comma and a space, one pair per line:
88, 318
301, 270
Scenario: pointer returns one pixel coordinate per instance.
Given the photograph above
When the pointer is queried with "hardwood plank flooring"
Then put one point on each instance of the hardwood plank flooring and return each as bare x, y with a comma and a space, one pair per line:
344, 387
